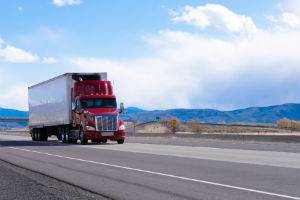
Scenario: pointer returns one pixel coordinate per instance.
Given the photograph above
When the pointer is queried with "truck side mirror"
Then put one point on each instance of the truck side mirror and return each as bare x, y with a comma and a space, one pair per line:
122, 108
73, 106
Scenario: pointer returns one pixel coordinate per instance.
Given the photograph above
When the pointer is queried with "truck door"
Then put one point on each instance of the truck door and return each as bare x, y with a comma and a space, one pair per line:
77, 113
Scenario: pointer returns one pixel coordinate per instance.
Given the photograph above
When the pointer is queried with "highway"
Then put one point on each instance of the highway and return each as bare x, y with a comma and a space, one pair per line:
164, 169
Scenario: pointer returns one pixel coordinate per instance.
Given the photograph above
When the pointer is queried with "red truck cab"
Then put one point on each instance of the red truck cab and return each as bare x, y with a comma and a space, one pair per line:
95, 112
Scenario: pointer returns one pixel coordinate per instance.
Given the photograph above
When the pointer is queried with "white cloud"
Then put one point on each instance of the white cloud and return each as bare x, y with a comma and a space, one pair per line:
289, 16
66, 2
15, 97
286, 19
215, 16
20, 8
16, 55
292, 6
48, 60
191, 70
290, 19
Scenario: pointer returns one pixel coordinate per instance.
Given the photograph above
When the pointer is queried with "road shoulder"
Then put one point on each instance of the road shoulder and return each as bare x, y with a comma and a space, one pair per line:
19, 183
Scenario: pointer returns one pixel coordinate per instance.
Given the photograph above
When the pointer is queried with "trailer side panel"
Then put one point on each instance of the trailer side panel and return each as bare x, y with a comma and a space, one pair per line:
49, 103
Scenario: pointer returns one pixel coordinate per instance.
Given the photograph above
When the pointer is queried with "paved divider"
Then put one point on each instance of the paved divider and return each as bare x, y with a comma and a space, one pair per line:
231, 137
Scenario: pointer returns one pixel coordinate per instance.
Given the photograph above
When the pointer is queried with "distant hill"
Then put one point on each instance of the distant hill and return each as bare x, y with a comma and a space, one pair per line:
4, 112
131, 110
270, 114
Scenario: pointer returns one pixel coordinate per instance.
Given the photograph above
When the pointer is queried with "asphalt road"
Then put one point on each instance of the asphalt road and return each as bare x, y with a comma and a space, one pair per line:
147, 169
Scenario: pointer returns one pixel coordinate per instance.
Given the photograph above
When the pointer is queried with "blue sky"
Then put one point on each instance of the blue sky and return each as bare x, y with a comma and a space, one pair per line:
159, 54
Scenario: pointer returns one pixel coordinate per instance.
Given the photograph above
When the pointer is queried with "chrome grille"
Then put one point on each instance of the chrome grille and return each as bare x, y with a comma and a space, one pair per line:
107, 123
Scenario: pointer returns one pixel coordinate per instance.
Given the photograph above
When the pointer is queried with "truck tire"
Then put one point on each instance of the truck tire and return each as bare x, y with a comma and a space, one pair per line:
83, 141
73, 141
58, 136
67, 135
63, 135
44, 135
120, 141
67, 138
39, 134
33, 134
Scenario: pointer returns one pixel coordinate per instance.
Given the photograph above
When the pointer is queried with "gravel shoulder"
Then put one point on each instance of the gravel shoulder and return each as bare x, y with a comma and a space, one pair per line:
21, 184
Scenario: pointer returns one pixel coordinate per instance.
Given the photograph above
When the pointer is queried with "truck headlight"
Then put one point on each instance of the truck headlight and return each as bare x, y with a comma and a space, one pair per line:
122, 127
90, 128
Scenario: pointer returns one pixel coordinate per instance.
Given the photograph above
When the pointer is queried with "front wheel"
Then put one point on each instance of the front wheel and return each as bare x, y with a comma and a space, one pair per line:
82, 138
120, 141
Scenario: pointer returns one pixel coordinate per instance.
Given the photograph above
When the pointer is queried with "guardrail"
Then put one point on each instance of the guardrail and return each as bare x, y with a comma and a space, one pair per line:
14, 119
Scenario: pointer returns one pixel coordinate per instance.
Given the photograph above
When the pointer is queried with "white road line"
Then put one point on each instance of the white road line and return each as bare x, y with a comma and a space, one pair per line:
161, 174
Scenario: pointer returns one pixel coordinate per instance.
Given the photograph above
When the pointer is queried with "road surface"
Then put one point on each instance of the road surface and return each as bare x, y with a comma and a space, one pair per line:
148, 169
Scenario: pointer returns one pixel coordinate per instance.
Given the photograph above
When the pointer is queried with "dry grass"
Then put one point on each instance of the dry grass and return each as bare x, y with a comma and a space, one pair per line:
191, 127
194, 126
254, 124
286, 123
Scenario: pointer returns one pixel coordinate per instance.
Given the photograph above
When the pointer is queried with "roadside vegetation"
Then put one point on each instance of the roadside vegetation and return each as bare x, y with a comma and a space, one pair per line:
286, 123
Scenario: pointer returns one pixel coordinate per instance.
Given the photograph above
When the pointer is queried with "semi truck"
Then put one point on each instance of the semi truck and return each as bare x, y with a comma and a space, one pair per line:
75, 106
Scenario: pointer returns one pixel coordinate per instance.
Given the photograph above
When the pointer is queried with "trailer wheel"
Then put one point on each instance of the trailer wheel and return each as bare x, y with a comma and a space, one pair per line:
44, 136
67, 135
58, 136
36, 134
82, 138
120, 141
33, 134
39, 134
73, 141
67, 138
63, 135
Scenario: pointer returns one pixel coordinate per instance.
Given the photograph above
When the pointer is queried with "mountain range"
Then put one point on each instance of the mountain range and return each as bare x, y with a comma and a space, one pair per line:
4, 112
269, 114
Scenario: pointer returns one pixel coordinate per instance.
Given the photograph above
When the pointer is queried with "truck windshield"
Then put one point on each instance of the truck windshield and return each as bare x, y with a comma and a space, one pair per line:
98, 103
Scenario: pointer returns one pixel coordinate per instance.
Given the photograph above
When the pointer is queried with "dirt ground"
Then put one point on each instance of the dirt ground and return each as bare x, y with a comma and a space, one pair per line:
158, 127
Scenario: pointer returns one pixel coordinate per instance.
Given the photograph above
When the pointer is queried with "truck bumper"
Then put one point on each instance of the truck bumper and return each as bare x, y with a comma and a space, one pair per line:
94, 135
